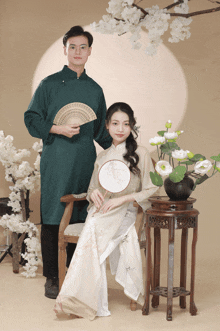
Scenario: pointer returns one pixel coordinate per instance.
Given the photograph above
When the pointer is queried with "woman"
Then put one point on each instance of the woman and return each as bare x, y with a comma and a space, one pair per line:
109, 229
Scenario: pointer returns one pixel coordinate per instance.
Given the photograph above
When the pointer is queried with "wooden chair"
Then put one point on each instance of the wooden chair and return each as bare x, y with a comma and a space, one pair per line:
69, 233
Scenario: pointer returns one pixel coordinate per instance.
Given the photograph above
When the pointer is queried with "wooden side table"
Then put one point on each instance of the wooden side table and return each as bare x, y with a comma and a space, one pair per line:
170, 215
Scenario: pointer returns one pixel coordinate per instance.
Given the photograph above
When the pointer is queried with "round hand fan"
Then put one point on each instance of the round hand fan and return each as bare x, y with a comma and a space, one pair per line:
74, 113
114, 177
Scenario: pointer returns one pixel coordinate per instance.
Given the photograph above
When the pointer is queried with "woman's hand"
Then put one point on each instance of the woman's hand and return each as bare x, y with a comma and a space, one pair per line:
113, 203
68, 130
97, 197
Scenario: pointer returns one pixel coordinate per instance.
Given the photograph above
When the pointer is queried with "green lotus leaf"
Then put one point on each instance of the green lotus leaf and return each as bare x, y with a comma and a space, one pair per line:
216, 158
168, 147
178, 174
156, 178
161, 133
197, 157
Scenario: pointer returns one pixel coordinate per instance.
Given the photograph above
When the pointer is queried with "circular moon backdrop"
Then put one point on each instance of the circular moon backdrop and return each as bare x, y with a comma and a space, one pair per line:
155, 87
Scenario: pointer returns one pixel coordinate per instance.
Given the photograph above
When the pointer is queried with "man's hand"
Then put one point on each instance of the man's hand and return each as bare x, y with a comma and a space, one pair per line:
68, 130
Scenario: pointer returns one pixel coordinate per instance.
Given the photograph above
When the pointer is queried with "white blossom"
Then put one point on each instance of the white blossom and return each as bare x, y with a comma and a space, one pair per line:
170, 135
9, 139
163, 168
21, 154
179, 154
180, 29
37, 146
157, 140
123, 17
182, 8
131, 14
37, 163
16, 206
29, 183
24, 169
202, 167
156, 22
23, 177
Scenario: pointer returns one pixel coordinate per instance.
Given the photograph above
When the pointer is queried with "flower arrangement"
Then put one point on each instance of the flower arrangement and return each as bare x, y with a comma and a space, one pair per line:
167, 147
129, 16
24, 179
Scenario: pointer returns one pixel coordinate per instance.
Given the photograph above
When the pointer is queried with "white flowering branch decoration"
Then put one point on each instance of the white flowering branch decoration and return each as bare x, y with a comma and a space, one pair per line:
128, 16
25, 179
168, 148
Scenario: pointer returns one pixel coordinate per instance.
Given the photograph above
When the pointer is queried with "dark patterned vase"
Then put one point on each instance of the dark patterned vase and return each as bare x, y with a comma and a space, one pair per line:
179, 191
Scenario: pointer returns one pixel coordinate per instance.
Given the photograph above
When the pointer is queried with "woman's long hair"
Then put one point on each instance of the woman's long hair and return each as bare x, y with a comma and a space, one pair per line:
131, 145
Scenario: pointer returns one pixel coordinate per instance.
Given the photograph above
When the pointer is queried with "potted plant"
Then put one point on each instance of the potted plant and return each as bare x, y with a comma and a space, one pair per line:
183, 169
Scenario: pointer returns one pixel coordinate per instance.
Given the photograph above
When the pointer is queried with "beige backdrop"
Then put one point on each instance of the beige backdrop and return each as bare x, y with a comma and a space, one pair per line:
29, 27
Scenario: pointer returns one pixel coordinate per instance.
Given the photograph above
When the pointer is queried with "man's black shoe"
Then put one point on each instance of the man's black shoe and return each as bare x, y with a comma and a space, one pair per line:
52, 288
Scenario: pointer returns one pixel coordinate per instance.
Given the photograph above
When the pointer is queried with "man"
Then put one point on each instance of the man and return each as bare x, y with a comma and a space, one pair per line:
69, 153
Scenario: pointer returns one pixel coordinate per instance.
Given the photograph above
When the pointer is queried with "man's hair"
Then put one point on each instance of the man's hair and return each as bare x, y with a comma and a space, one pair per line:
76, 31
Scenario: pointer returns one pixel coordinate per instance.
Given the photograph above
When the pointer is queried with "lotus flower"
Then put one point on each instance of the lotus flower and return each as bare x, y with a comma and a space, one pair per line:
202, 167
157, 141
170, 135
179, 154
163, 168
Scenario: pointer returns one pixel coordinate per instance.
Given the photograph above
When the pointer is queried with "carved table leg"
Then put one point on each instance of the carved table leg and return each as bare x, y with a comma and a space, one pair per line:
193, 309
145, 310
156, 276
170, 271
183, 267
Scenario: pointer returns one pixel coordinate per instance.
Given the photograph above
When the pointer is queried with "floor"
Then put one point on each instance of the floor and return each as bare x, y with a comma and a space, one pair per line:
23, 306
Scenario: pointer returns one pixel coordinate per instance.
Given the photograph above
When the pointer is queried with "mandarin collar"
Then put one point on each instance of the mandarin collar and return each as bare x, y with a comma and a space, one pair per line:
68, 73
120, 147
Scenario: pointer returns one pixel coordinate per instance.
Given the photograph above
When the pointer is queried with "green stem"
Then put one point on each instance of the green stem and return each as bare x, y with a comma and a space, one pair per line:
214, 172
158, 152
213, 168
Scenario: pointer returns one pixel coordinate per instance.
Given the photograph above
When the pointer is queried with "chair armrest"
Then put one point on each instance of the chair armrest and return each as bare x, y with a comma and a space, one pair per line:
73, 197
135, 204
69, 200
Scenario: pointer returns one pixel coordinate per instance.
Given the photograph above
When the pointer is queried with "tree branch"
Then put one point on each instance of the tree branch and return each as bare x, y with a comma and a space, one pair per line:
174, 4
142, 9
23, 209
200, 12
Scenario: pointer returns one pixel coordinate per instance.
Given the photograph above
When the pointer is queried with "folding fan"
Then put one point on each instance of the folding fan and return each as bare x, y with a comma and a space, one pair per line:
74, 113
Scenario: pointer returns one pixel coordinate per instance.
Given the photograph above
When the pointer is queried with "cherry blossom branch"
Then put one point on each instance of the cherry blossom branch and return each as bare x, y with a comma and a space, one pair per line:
196, 13
200, 12
129, 16
23, 207
175, 4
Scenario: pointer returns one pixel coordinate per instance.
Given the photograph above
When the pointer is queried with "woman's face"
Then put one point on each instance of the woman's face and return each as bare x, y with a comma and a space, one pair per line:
119, 127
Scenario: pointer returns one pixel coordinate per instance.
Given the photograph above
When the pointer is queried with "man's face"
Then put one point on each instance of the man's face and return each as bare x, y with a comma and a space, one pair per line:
77, 51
